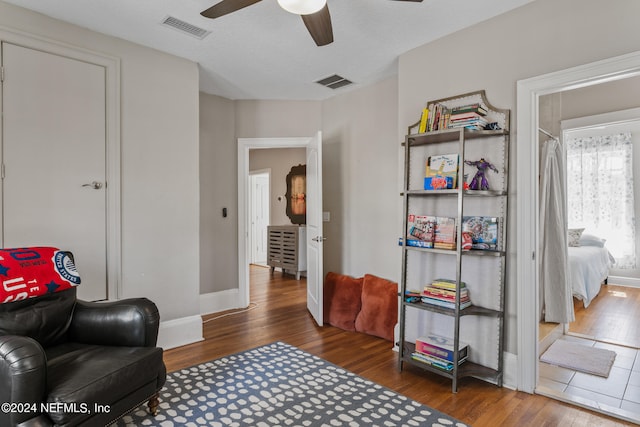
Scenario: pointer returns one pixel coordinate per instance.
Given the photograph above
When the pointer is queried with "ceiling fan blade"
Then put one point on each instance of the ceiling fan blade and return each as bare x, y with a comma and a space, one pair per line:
225, 7
319, 26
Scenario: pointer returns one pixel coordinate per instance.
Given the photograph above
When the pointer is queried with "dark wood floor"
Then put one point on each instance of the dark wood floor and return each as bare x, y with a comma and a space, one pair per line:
612, 316
280, 314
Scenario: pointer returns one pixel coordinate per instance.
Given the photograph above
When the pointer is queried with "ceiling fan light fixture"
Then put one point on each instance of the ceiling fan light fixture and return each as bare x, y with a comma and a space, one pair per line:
302, 7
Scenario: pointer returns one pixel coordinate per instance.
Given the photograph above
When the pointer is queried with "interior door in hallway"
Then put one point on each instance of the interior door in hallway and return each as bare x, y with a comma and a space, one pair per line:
259, 199
53, 155
315, 270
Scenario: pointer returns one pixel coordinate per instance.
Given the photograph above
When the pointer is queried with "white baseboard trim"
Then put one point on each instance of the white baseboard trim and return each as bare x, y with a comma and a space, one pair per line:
215, 302
632, 282
510, 376
179, 332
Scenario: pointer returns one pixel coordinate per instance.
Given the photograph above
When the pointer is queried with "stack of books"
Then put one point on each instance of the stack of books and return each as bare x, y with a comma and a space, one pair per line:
439, 117
468, 116
443, 292
437, 351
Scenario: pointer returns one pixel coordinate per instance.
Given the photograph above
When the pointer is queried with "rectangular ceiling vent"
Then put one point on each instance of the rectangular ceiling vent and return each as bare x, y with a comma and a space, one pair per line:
334, 82
185, 27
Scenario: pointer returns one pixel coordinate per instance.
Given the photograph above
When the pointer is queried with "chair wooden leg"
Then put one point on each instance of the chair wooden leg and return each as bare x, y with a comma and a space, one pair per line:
153, 404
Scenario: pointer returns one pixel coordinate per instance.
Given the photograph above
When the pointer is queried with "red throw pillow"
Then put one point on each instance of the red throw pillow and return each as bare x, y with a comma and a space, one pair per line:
379, 313
342, 300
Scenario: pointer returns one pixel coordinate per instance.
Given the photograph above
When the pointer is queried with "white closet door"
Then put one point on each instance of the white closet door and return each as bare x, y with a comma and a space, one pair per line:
53, 141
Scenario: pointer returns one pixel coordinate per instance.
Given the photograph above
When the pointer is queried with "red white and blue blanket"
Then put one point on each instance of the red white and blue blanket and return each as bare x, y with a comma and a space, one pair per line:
31, 272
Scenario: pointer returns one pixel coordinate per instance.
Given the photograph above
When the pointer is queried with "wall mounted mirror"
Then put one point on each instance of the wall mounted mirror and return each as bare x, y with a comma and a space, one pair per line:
296, 194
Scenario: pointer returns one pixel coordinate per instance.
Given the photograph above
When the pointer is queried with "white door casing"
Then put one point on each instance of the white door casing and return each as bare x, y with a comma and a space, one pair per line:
528, 94
244, 146
68, 96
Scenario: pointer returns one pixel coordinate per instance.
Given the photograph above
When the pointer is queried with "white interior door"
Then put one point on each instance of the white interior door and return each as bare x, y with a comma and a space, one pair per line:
53, 154
259, 216
315, 273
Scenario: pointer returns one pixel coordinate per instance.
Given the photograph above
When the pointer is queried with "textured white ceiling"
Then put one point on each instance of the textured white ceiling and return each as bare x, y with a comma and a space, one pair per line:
264, 52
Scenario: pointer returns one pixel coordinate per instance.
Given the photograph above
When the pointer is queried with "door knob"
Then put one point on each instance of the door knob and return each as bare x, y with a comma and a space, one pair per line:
95, 185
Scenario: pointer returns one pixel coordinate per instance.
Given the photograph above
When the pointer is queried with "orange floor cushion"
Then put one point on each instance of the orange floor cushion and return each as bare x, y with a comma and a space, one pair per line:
341, 300
366, 304
379, 313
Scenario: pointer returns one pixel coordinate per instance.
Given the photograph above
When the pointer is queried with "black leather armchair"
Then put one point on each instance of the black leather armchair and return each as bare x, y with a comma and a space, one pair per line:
66, 362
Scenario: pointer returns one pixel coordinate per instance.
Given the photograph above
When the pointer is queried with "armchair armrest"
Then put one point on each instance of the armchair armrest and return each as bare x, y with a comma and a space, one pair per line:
23, 376
130, 322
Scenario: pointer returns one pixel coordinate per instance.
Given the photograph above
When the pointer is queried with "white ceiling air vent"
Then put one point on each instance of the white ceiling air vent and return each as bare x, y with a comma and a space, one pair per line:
185, 27
334, 82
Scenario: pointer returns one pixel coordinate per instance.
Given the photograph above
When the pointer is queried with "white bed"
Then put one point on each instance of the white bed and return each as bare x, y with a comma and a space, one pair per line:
588, 268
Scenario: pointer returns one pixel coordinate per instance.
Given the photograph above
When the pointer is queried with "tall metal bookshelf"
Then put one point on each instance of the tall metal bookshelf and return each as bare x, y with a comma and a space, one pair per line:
481, 325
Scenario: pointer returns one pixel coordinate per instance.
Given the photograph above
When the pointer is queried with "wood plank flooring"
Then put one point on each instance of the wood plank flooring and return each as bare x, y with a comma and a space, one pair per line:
612, 316
280, 314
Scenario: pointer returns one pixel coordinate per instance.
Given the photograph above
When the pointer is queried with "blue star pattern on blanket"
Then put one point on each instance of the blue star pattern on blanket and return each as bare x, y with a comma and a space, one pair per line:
52, 286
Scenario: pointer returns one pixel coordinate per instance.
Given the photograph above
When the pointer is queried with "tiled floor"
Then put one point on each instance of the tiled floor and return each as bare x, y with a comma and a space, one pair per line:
620, 390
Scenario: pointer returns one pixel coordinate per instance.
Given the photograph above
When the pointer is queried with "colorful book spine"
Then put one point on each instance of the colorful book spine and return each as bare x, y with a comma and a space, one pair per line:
434, 361
423, 120
464, 296
445, 304
434, 290
447, 284
440, 347
470, 108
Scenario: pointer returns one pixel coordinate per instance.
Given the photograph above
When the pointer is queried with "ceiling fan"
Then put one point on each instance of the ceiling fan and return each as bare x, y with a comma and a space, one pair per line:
314, 13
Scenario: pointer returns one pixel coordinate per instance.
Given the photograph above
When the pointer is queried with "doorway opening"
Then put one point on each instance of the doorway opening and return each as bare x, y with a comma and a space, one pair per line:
528, 94
313, 198
601, 276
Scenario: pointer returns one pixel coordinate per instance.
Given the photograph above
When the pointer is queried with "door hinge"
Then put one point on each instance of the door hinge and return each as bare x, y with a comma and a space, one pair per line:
1, 74
2, 171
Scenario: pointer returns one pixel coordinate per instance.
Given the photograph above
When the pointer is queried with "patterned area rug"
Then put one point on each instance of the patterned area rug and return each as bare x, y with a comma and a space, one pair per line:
280, 385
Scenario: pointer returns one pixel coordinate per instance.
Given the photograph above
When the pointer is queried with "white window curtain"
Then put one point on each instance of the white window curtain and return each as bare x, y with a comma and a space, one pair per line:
556, 292
600, 192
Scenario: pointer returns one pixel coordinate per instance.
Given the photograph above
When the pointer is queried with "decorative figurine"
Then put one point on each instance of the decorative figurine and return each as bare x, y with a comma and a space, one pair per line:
479, 181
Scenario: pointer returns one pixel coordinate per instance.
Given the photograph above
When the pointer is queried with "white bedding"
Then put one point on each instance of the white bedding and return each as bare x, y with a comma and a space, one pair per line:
588, 268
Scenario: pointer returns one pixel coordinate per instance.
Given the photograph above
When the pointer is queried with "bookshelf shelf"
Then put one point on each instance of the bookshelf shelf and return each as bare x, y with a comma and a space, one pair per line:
454, 192
472, 310
449, 135
466, 369
472, 252
480, 271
